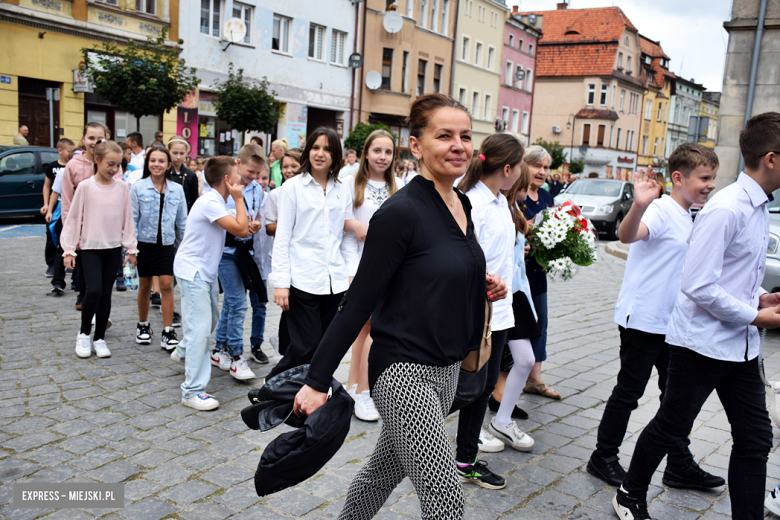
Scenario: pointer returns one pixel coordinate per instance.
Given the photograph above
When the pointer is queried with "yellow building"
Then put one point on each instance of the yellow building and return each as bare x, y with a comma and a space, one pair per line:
477, 77
710, 108
42, 42
655, 108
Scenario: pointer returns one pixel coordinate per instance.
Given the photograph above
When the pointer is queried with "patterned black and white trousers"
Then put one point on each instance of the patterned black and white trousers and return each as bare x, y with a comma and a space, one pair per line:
413, 401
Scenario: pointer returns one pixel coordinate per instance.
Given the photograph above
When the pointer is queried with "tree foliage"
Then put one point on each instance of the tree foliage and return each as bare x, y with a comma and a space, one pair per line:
555, 149
146, 78
247, 106
360, 133
576, 166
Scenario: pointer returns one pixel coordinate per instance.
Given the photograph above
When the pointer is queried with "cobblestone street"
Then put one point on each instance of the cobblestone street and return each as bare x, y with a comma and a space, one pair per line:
120, 419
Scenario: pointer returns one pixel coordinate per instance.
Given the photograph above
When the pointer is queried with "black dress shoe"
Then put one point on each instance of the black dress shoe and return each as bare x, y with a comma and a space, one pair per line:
690, 477
607, 469
517, 413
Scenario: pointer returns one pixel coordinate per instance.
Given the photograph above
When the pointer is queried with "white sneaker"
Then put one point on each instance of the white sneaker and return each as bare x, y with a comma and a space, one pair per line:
489, 444
364, 407
512, 436
83, 346
274, 341
202, 401
221, 359
108, 324
240, 370
353, 392
100, 348
772, 501
175, 356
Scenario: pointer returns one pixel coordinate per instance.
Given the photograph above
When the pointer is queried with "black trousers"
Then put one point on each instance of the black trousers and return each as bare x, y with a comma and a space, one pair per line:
284, 334
307, 320
692, 378
99, 267
59, 266
639, 353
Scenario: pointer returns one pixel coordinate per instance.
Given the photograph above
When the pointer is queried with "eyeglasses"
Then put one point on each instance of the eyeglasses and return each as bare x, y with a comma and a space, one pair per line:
767, 153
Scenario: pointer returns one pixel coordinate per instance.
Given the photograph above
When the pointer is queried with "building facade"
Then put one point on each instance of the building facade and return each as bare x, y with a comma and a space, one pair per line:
479, 48
302, 49
588, 93
710, 109
42, 49
414, 61
684, 104
655, 109
518, 59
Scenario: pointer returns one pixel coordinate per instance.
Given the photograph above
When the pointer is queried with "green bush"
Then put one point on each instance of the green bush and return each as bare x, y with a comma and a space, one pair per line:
358, 137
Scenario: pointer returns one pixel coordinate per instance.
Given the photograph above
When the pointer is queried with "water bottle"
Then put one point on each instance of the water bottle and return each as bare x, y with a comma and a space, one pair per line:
130, 274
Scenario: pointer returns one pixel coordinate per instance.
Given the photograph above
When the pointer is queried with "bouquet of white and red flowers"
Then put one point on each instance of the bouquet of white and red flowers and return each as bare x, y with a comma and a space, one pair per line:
562, 239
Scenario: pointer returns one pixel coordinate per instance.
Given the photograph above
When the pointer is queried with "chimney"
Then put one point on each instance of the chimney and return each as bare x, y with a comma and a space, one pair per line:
562, 6
515, 10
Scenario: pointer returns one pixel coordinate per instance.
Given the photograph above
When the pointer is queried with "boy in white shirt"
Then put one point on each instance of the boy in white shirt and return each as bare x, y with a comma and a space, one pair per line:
195, 267
352, 165
713, 332
659, 229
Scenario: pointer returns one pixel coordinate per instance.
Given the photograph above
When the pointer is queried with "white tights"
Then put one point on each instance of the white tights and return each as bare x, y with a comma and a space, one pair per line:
523, 356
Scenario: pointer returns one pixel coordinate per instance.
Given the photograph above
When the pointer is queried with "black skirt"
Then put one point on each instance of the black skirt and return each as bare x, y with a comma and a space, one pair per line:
525, 322
155, 259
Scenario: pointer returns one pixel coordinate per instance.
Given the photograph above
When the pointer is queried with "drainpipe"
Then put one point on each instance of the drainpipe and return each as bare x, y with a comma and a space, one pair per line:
354, 73
754, 70
363, 68
454, 50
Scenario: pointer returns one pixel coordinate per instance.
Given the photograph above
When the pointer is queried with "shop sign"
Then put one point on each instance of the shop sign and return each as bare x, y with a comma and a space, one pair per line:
206, 104
625, 159
340, 128
5, 79
80, 82
296, 134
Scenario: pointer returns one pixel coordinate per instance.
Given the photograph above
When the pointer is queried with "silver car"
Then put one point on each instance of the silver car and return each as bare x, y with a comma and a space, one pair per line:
604, 201
772, 276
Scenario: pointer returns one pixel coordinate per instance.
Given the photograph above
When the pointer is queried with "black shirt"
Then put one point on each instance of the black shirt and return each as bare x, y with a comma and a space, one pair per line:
422, 282
537, 278
189, 182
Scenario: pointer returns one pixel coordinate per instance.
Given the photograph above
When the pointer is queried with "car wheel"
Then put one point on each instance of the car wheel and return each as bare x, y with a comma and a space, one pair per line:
616, 227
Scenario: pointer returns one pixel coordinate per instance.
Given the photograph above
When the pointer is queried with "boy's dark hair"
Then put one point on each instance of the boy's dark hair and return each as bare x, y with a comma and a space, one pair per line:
334, 147
257, 140
760, 136
689, 156
62, 143
137, 138
124, 146
217, 167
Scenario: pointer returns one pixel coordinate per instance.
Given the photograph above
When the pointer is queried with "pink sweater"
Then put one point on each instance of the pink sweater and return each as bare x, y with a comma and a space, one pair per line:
77, 170
101, 217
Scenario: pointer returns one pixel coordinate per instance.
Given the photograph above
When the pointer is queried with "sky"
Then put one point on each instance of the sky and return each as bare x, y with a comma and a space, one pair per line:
690, 31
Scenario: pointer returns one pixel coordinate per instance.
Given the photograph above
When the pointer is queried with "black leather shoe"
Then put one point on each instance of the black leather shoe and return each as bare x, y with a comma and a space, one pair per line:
690, 477
517, 413
607, 469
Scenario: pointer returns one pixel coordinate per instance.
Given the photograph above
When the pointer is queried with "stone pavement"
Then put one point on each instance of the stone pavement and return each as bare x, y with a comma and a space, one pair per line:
119, 419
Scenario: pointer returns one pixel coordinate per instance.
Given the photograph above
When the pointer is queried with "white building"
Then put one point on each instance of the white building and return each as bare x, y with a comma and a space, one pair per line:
300, 46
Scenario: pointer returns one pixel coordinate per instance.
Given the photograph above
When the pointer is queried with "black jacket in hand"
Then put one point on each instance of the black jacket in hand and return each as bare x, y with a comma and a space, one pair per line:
297, 455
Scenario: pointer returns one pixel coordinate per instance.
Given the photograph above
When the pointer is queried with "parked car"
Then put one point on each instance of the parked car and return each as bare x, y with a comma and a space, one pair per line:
604, 201
21, 178
772, 276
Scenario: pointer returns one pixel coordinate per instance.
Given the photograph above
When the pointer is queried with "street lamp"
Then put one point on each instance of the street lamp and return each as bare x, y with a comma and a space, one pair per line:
570, 125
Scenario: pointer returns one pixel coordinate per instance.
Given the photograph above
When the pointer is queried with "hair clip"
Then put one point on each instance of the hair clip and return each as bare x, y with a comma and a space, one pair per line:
481, 157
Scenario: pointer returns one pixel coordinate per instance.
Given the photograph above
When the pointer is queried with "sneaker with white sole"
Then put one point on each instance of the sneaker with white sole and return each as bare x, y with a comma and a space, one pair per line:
175, 356
169, 339
83, 346
511, 435
364, 407
772, 501
240, 370
101, 350
489, 444
221, 359
143, 333
628, 507
202, 401
176, 319
353, 392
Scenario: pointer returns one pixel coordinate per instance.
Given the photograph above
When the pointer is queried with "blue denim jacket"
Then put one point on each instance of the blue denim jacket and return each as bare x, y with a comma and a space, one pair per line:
146, 211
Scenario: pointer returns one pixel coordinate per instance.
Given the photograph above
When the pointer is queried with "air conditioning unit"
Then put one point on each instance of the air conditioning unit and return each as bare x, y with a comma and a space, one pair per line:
556, 129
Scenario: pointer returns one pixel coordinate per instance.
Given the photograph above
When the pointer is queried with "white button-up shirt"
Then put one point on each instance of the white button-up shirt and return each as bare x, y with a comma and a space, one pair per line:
496, 234
721, 279
311, 251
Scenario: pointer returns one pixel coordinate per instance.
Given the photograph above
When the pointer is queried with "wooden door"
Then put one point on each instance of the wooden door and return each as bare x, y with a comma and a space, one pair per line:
34, 112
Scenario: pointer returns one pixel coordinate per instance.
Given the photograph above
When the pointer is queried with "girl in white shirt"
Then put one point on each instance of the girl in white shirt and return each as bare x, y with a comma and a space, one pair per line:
410, 173
313, 259
371, 186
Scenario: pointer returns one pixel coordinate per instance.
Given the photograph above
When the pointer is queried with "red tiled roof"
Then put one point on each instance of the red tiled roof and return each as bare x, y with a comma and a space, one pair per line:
605, 24
594, 113
651, 48
596, 59
655, 51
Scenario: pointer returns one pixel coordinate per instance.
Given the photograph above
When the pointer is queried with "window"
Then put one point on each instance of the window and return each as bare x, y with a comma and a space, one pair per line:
633, 107
611, 133
464, 53
338, 41
147, 6
109, 2
511, 40
515, 120
437, 78
422, 70
405, 72
410, 8
645, 141
434, 15
617, 143
529, 84
518, 82
488, 100
591, 94
614, 91
387, 68
462, 96
505, 116
508, 73
648, 109
445, 10
620, 61
209, 17
531, 49
526, 121
478, 54
655, 147
520, 45
491, 54
22, 163
604, 94
244, 12
628, 42
628, 65
424, 13
586, 134
648, 60
600, 135
474, 102
316, 39
660, 110
630, 140
281, 36
622, 99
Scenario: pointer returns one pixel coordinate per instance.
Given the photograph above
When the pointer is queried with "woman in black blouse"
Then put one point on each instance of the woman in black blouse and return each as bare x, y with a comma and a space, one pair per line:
422, 281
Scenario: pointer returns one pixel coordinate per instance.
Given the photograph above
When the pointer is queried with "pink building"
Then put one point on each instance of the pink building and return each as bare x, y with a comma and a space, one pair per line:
515, 97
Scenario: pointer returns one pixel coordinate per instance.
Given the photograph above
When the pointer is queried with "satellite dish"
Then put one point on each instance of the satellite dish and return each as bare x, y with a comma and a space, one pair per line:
393, 22
373, 80
583, 149
355, 60
520, 75
235, 30
532, 19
